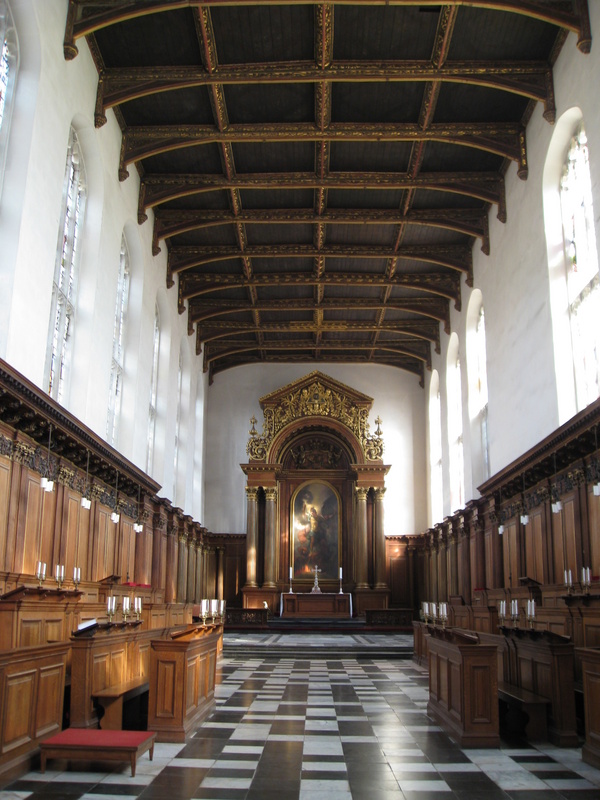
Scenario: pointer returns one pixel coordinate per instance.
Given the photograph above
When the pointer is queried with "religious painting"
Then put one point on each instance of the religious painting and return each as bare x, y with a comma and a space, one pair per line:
315, 516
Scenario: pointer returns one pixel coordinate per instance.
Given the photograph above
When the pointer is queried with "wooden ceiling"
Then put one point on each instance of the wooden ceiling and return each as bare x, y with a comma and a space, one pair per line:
320, 173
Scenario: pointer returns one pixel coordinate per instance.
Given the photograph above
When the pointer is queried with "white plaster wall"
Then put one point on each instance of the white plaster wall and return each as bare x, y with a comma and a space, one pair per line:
397, 399
51, 95
514, 281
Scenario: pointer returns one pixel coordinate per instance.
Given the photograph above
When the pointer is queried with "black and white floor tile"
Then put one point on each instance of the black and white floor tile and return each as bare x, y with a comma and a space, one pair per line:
299, 729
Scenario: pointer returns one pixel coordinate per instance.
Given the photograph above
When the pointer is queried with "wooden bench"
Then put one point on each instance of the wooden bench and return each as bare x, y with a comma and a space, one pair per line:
533, 705
112, 698
95, 745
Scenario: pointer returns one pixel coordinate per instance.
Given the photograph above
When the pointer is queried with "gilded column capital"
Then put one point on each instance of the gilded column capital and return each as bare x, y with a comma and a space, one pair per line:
361, 493
271, 495
379, 493
252, 493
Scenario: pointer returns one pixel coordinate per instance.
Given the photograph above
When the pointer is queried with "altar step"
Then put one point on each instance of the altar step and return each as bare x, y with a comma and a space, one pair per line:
311, 644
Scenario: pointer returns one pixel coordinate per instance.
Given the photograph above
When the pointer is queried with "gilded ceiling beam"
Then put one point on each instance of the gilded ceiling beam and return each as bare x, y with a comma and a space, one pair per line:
223, 329
442, 284
435, 309
485, 186
86, 16
116, 86
213, 352
505, 139
170, 222
454, 256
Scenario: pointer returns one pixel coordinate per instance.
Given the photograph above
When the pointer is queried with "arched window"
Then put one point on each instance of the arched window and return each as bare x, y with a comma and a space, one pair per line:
436, 485
478, 386
583, 286
64, 289
152, 407
9, 66
116, 370
455, 426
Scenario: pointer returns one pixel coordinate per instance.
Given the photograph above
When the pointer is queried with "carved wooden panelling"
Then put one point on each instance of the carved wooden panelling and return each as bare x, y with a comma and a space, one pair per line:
30, 522
5, 473
192, 675
18, 704
211, 677
510, 554
534, 547
127, 565
100, 671
51, 687
594, 525
481, 709
571, 526
70, 528
30, 632
166, 695
454, 688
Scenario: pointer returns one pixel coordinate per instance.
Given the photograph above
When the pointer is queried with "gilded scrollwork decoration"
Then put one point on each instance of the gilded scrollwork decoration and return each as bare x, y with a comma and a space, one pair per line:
318, 398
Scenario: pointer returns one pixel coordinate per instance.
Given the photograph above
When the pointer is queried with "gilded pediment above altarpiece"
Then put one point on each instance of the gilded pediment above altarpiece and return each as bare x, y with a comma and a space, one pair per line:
315, 395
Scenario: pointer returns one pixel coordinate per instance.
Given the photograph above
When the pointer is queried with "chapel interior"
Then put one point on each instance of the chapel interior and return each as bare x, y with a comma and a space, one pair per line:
299, 338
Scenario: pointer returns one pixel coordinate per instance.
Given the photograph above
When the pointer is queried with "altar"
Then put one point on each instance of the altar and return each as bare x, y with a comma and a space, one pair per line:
315, 604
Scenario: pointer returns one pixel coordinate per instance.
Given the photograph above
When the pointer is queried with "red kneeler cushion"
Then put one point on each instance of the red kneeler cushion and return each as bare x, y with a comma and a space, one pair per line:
87, 737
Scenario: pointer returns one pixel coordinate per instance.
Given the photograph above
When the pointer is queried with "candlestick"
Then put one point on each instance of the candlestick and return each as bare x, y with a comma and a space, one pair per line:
341, 590
137, 607
76, 575
291, 575
204, 610
126, 608
40, 571
59, 574
111, 607
214, 609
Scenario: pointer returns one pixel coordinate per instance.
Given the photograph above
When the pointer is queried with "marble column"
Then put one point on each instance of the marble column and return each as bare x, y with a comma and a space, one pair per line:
270, 538
379, 537
362, 572
251, 535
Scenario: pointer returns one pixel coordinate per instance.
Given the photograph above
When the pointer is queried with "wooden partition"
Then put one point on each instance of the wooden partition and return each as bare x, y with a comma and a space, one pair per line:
31, 615
543, 663
108, 657
590, 663
463, 687
32, 682
182, 681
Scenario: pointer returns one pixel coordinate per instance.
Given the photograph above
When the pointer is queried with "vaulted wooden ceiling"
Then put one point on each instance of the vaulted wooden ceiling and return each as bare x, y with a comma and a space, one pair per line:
320, 173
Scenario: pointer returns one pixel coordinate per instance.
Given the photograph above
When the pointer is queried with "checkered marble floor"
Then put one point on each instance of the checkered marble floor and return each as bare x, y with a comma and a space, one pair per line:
347, 729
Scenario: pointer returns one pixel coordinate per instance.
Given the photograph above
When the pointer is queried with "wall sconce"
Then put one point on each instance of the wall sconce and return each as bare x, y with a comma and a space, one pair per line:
500, 529
597, 489
524, 519
557, 507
